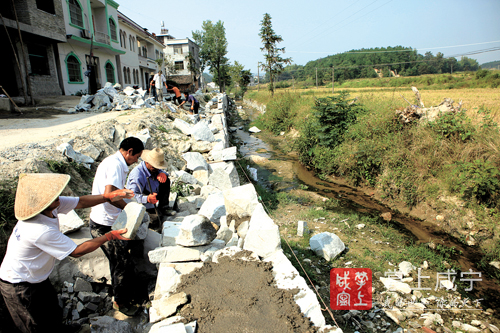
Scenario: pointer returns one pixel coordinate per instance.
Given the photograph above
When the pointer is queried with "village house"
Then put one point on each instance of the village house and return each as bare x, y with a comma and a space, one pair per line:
30, 59
142, 50
185, 55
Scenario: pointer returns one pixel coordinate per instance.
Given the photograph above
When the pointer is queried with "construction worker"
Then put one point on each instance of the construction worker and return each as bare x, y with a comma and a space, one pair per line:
36, 243
150, 183
111, 175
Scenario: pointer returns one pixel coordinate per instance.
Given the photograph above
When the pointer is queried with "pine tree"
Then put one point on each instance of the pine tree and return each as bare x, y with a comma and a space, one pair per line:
274, 63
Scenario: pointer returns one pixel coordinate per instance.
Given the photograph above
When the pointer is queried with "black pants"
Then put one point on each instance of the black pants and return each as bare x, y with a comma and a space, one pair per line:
178, 99
121, 265
196, 107
33, 306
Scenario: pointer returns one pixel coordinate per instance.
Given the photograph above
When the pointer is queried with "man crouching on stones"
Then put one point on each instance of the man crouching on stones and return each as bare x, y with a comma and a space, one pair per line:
36, 243
150, 183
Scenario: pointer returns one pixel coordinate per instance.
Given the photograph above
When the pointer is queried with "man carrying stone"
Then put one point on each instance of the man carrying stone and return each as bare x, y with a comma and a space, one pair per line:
178, 95
160, 81
35, 244
150, 183
110, 176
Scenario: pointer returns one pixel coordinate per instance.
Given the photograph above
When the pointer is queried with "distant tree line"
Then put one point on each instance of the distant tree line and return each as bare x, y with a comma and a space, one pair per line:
369, 63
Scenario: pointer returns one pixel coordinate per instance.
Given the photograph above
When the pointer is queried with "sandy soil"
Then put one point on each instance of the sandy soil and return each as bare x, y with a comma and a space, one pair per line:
240, 296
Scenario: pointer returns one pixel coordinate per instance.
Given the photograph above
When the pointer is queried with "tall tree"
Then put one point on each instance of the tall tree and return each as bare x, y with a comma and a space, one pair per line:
213, 49
274, 63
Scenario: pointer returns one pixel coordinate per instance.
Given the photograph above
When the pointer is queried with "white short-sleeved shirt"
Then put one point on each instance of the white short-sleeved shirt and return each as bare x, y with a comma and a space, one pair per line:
159, 80
35, 244
112, 171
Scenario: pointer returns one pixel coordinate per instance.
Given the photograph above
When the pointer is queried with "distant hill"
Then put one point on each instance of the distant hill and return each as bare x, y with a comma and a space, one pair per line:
491, 64
207, 77
376, 62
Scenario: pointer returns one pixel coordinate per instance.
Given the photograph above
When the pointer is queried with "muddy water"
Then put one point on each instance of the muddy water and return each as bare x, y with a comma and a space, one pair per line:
356, 200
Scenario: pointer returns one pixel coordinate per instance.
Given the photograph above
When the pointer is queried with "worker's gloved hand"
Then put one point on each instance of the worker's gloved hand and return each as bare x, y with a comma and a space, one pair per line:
152, 198
116, 234
119, 195
161, 177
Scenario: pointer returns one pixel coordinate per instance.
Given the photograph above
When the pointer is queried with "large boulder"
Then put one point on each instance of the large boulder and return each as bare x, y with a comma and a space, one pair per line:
263, 236
241, 201
326, 245
195, 161
196, 230
213, 208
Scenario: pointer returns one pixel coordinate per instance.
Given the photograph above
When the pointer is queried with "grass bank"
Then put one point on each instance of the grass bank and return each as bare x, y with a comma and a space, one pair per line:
450, 167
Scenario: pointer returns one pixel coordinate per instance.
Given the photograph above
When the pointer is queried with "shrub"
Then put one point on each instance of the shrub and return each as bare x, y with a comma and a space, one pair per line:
453, 125
478, 180
280, 113
482, 73
335, 114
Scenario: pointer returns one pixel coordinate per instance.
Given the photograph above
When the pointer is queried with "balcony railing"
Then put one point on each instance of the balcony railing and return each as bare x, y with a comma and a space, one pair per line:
101, 37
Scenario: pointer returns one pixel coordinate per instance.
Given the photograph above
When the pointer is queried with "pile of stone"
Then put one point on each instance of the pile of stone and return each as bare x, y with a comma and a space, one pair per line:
420, 113
113, 98
217, 216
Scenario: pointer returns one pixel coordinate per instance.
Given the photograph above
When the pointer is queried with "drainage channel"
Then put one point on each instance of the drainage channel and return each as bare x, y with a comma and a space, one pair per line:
355, 200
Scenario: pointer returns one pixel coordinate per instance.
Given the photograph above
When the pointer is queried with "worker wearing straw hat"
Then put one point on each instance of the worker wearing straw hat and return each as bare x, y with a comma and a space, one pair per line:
150, 173
35, 244
111, 175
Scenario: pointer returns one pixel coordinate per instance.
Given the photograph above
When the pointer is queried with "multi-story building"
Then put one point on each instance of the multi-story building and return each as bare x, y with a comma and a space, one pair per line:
185, 55
30, 57
90, 57
142, 49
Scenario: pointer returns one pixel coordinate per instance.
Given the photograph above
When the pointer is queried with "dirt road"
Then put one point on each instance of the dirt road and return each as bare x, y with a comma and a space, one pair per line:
46, 122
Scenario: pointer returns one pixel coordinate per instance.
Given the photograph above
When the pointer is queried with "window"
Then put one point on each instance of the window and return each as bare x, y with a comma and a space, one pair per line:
133, 44
157, 53
75, 13
46, 6
110, 73
130, 42
74, 70
121, 38
144, 52
38, 59
112, 27
125, 75
179, 65
177, 49
128, 75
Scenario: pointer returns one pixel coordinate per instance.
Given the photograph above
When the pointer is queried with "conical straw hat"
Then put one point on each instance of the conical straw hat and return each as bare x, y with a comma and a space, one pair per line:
36, 191
155, 157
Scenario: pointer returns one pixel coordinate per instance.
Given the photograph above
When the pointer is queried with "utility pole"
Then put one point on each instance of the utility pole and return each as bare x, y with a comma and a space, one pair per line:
316, 77
24, 57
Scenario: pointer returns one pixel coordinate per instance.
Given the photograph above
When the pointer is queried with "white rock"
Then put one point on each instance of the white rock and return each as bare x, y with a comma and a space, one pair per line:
393, 285
183, 126
131, 218
110, 324
254, 129
213, 207
241, 201
166, 306
169, 232
196, 230
201, 132
326, 245
195, 161
263, 235
70, 222
406, 267
302, 228
227, 154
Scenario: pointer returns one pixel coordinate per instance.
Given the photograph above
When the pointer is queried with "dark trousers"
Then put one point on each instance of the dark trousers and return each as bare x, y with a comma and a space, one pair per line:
178, 99
121, 265
196, 107
33, 306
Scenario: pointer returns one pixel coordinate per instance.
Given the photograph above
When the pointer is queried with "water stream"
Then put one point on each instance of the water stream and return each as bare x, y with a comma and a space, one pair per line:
354, 199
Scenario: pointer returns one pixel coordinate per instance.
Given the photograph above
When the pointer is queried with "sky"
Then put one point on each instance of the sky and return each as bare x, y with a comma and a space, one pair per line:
316, 29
